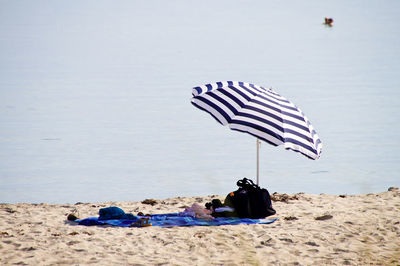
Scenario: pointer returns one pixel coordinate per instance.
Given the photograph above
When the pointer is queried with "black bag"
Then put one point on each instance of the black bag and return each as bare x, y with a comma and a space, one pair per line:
250, 201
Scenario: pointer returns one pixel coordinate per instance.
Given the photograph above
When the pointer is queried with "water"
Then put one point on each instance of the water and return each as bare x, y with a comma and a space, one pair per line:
95, 96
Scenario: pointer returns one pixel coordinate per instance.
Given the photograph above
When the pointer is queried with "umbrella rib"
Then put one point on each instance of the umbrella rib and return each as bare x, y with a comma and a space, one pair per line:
315, 155
224, 102
290, 131
265, 95
274, 94
210, 104
258, 127
279, 109
257, 118
299, 143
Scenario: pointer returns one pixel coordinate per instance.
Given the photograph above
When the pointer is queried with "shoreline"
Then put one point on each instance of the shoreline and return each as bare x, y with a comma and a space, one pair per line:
312, 229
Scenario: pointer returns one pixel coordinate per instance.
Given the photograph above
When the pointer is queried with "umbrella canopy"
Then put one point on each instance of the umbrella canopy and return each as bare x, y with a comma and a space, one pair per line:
260, 112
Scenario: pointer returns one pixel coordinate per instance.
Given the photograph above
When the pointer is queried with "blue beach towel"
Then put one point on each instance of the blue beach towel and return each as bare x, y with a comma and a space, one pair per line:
172, 220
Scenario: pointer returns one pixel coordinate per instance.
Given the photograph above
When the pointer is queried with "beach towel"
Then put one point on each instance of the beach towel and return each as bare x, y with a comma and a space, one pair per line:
172, 220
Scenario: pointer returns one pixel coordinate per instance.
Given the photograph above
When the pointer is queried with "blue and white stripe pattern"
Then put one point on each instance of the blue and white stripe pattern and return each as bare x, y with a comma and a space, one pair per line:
260, 112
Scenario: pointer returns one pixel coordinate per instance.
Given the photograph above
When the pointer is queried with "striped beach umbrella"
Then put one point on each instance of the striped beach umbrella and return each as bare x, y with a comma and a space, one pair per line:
260, 112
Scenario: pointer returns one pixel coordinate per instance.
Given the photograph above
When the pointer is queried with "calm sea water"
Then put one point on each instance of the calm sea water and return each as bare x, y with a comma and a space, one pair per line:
95, 96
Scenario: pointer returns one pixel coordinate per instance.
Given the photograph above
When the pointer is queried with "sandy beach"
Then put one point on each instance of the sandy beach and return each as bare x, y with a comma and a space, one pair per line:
312, 229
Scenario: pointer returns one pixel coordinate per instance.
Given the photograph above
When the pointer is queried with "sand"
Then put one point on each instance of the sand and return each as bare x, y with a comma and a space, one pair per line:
312, 229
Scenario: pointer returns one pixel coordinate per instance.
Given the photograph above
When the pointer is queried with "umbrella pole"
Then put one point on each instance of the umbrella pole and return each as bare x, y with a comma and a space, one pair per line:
258, 143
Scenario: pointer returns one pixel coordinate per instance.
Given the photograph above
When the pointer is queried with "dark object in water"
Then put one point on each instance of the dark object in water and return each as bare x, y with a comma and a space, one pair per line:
328, 21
